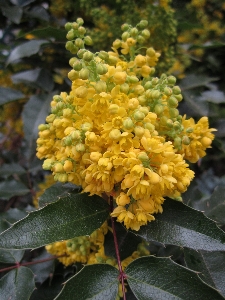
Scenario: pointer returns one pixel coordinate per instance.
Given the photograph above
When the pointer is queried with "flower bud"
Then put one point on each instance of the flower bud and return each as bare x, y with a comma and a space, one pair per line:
100, 86
119, 77
42, 127
186, 140
68, 26
68, 166
72, 61
95, 156
189, 130
172, 101
80, 147
47, 165
115, 134
124, 88
122, 199
139, 131
143, 156
143, 24
140, 39
206, 142
168, 91
73, 75
81, 30
117, 44
125, 27
58, 168
140, 60
134, 32
113, 108
146, 71
173, 112
178, 97
79, 43
80, 21
103, 55
171, 80
84, 74
70, 35
155, 94
132, 79
75, 26
145, 33
158, 109
88, 56
88, 40
128, 124
86, 127
177, 143
101, 69
61, 177
125, 36
150, 52
133, 103
50, 118
75, 135
112, 60
81, 52
149, 126
77, 66
144, 109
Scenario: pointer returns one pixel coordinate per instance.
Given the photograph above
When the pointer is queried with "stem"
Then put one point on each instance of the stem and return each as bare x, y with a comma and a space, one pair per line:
17, 265
122, 275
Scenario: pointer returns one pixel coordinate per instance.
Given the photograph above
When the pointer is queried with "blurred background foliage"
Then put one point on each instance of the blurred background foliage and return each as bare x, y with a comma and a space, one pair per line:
189, 34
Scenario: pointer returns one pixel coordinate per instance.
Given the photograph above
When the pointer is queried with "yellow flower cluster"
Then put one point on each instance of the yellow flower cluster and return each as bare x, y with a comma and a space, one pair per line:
119, 132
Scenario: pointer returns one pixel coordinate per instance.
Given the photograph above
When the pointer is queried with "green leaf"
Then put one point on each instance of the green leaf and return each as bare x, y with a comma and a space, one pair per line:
55, 192
127, 242
192, 81
25, 50
22, 2
13, 13
17, 284
153, 278
38, 78
71, 216
34, 114
210, 265
10, 188
93, 282
11, 256
214, 96
195, 104
38, 12
49, 32
10, 169
214, 207
8, 95
183, 226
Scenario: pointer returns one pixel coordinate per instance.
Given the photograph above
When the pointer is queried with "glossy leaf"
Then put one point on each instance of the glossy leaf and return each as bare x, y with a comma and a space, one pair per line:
185, 227
49, 32
71, 216
94, 282
12, 168
22, 2
153, 278
127, 242
192, 81
38, 12
11, 256
210, 265
38, 78
214, 96
13, 13
8, 95
34, 114
10, 188
17, 284
25, 50
55, 192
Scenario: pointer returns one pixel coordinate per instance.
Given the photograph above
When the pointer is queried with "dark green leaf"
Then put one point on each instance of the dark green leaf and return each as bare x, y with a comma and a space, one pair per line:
11, 256
71, 216
12, 215
152, 278
214, 96
220, 126
210, 265
38, 78
13, 13
9, 95
94, 282
214, 207
55, 192
192, 81
43, 270
185, 227
22, 2
38, 12
10, 188
34, 114
195, 104
10, 169
49, 32
127, 242
18, 284
25, 50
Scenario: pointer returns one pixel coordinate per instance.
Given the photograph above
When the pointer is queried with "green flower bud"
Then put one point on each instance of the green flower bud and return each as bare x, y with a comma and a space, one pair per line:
189, 130
155, 81
100, 86
115, 134
125, 27
150, 52
144, 109
172, 101
168, 91
88, 40
169, 123
75, 26
42, 127
103, 55
80, 21
73, 75
82, 30
128, 124
158, 109
138, 115
145, 33
88, 56
72, 61
132, 79
80, 147
155, 94
173, 112
101, 69
117, 44
112, 60
171, 80
84, 74
79, 43
75, 135
178, 97
69, 46
77, 66
86, 127
148, 85
140, 39
177, 142
143, 24
176, 125
176, 90
67, 141
68, 26
134, 32
125, 36
142, 100
124, 88
70, 35
186, 140
149, 126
